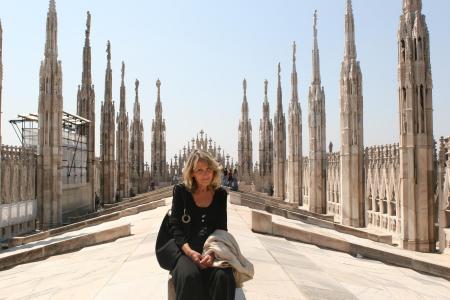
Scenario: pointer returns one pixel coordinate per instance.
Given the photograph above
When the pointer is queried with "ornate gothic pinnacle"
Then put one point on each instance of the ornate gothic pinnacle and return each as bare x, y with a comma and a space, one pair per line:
51, 48
316, 60
86, 75
294, 74
315, 29
279, 94
122, 89
244, 84
350, 46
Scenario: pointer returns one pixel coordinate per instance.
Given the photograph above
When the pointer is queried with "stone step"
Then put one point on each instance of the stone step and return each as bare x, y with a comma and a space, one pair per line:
25, 255
287, 210
127, 202
430, 263
145, 202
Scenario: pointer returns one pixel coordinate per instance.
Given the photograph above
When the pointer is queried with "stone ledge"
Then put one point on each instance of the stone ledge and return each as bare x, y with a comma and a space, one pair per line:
287, 210
17, 241
64, 246
263, 223
127, 203
172, 296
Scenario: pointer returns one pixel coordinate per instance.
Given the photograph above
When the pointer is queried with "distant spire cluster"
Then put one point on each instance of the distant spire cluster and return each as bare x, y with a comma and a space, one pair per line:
393, 189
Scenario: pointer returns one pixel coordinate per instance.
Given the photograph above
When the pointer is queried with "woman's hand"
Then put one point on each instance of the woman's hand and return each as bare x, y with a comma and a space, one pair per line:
192, 254
195, 256
207, 261
202, 262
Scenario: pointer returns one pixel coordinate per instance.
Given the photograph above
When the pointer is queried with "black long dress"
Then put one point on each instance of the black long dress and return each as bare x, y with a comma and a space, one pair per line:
190, 281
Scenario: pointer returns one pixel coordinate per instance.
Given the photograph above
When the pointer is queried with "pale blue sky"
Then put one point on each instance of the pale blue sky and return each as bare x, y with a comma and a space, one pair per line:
201, 51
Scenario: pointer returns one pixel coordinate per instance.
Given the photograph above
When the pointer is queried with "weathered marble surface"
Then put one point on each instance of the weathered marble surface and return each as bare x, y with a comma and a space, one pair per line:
127, 269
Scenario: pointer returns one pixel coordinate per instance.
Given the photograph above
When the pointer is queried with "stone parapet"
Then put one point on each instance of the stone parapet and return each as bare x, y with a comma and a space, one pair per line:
18, 171
132, 206
19, 212
17, 218
333, 184
443, 193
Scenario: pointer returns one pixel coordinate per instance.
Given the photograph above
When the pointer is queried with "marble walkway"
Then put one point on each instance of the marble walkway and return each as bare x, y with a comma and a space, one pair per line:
127, 269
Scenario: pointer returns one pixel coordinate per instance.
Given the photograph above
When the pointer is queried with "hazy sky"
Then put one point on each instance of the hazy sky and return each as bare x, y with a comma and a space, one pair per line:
202, 50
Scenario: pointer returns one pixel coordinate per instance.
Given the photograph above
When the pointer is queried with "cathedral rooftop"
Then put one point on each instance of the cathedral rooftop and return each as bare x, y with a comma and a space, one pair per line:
284, 269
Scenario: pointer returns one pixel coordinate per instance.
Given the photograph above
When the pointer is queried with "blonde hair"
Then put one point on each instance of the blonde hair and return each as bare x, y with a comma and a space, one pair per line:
191, 163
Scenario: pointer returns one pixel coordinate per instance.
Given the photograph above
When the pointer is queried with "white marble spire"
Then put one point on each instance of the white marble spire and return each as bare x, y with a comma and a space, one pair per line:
352, 134
317, 133
279, 148
295, 158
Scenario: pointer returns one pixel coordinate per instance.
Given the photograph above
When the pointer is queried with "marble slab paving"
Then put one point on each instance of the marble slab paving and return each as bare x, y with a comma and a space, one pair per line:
127, 269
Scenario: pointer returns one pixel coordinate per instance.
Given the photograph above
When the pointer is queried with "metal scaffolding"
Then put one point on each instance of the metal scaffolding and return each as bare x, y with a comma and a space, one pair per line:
73, 143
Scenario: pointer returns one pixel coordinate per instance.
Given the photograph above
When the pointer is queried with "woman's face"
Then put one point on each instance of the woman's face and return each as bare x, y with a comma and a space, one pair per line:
202, 174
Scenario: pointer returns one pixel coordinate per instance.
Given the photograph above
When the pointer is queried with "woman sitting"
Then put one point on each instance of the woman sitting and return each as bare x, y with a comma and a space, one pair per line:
201, 203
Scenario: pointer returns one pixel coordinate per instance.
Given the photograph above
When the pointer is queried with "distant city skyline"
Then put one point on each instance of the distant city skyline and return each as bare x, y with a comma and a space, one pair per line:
202, 52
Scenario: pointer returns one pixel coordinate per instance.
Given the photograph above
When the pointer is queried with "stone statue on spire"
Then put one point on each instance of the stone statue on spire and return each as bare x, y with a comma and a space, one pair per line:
108, 50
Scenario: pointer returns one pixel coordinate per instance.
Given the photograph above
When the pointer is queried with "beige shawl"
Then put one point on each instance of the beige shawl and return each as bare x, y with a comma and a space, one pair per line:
227, 254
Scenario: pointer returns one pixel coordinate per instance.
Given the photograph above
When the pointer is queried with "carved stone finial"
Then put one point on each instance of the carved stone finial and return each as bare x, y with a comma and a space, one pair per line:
244, 84
136, 86
158, 83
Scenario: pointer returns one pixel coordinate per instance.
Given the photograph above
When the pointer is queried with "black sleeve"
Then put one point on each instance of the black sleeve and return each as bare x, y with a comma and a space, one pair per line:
176, 227
222, 215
